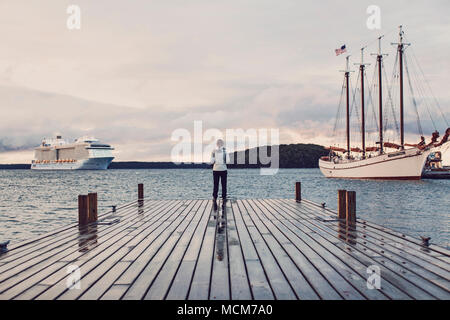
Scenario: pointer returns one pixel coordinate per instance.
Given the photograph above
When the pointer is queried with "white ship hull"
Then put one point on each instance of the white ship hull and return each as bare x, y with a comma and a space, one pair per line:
87, 164
401, 165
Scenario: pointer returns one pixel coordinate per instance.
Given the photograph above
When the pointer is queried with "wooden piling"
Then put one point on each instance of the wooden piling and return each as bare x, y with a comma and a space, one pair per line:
83, 214
342, 204
140, 191
140, 194
92, 207
351, 207
298, 192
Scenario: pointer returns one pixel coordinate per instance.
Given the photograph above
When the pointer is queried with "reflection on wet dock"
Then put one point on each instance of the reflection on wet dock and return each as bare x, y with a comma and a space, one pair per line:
241, 249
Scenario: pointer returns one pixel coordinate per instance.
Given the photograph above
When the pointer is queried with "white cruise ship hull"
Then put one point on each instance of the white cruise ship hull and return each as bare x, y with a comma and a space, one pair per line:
86, 164
401, 165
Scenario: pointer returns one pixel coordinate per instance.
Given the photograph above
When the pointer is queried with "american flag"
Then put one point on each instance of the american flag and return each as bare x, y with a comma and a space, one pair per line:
341, 50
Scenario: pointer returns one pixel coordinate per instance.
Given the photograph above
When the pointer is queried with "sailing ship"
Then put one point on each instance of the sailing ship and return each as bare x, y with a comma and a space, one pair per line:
405, 162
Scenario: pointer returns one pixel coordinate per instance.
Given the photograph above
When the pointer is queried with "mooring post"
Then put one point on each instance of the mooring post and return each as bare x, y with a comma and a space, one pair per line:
92, 207
83, 215
298, 191
425, 241
4, 246
351, 207
141, 194
342, 204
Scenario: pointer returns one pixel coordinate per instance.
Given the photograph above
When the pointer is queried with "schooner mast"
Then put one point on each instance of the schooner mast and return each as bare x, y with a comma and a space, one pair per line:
362, 66
347, 86
400, 48
380, 92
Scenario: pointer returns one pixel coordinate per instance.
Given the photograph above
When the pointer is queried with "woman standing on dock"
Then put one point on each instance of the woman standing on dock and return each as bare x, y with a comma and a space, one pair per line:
219, 159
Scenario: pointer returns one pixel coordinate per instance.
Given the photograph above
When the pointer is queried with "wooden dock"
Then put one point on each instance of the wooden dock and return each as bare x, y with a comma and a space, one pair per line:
247, 249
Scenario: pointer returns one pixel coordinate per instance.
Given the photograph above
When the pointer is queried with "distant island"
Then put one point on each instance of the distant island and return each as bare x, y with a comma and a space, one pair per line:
291, 156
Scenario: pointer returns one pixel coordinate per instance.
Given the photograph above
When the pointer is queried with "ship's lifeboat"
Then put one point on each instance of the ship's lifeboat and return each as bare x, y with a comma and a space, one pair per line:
372, 149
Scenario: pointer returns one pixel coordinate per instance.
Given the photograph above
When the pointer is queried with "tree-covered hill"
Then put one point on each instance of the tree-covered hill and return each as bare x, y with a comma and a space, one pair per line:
290, 156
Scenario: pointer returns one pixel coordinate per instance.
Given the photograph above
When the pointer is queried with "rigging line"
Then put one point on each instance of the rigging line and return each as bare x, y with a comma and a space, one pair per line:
373, 85
389, 97
354, 101
419, 126
395, 100
366, 89
371, 88
373, 120
429, 86
421, 90
339, 109
425, 99
427, 104
385, 113
423, 94
393, 95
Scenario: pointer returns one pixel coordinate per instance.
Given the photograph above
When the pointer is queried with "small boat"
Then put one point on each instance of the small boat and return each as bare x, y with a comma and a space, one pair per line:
434, 168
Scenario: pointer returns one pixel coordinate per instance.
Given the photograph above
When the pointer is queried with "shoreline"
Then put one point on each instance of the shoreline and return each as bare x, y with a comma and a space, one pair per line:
152, 165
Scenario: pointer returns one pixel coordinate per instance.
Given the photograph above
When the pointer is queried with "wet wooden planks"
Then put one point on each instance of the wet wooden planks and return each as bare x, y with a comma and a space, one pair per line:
243, 249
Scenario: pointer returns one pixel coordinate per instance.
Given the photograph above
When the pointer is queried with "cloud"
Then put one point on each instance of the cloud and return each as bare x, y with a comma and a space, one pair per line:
139, 134
137, 71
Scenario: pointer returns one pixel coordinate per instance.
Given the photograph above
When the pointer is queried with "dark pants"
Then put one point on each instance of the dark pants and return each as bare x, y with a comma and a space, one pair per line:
222, 176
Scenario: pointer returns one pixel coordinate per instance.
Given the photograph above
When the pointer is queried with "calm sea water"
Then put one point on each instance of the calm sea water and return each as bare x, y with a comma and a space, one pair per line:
33, 202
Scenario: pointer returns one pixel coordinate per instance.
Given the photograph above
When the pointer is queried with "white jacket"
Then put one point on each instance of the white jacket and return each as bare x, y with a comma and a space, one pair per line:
220, 158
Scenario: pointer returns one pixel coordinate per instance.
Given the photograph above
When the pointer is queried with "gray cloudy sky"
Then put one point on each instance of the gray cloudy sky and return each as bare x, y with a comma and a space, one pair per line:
137, 70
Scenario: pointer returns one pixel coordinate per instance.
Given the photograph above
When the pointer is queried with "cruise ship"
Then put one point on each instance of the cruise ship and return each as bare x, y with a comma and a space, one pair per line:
84, 153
